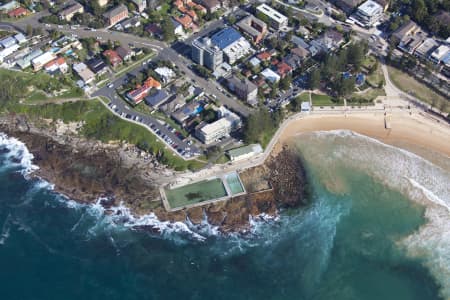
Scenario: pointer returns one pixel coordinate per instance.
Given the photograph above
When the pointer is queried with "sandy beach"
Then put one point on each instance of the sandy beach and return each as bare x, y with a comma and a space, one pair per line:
416, 133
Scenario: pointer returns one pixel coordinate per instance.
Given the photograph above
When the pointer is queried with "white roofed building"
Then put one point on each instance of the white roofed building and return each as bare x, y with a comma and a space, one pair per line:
440, 54
277, 19
165, 73
39, 62
270, 75
209, 133
369, 13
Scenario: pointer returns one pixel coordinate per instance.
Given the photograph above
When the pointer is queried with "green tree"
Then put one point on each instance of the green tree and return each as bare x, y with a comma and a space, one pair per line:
314, 79
285, 83
168, 29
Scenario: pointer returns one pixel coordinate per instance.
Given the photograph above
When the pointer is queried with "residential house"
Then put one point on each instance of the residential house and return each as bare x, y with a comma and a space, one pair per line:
328, 41
426, 48
186, 21
300, 52
409, 37
264, 56
116, 15
156, 98
131, 22
125, 52
277, 20
156, 31
165, 73
57, 65
440, 54
211, 5
18, 12
9, 6
177, 27
8, 42
20, 38
40, 61
140, 4
253, 27
254, 62
25, 61
299, 42
187, 111
347, 6
68, 13
244, 89
8, 51
293, 61
97, 65
270, 75
283, 69
113, 57
137, 95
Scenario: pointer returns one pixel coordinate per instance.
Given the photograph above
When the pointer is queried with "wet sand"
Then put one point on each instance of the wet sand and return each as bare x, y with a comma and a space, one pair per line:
418, 134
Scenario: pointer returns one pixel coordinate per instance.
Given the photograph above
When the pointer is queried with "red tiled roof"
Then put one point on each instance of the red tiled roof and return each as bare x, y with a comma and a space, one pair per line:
113, 57
152, 83
264, 55
185, 21
283, 68
57, 61
20, 11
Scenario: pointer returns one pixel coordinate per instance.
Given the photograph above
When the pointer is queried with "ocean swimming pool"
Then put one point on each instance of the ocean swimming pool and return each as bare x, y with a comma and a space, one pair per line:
196, 192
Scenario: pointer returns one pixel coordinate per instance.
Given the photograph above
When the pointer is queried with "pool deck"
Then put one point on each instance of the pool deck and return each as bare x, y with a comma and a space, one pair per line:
223, 178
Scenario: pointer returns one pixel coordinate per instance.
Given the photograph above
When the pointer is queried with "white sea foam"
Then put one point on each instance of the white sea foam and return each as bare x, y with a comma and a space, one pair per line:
5, 230
18, 150
417, 178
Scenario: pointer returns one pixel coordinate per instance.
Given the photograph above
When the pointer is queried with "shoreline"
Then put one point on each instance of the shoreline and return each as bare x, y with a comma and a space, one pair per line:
414, 133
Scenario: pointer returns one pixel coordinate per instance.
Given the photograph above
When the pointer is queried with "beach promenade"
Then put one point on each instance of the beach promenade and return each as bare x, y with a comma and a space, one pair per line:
397, 119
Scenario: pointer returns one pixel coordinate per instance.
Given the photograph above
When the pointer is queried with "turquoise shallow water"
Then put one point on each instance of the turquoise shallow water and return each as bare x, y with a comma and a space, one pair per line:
346, 245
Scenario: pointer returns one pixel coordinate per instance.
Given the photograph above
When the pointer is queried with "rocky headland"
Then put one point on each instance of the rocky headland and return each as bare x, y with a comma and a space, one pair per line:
86, 170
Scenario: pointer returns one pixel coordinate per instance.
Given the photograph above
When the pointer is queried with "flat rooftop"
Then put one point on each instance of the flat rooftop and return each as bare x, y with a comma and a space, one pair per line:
272, 13
370, 8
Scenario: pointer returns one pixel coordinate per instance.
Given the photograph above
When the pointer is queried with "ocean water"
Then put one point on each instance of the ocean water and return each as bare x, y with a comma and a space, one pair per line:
378, 227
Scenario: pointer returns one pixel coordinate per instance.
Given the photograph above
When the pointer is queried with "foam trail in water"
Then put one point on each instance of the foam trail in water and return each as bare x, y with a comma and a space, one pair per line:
414, 176
5, 230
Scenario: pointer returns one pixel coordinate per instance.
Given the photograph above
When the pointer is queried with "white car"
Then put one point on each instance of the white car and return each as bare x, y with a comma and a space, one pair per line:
111, 85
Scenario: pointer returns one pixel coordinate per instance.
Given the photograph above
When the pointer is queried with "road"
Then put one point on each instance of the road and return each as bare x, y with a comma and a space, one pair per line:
153, 124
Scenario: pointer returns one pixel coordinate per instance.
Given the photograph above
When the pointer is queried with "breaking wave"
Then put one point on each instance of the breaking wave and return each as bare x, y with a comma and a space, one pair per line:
418, 179
17, 153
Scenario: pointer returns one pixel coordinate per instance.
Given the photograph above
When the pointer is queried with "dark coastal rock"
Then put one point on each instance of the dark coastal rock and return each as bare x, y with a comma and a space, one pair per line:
195, 214
288, 178
85, 173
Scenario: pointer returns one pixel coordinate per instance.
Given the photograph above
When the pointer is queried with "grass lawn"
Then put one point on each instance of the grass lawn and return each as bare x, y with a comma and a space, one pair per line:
410, 85
321, 100
103, 125
35, 86
369, 61
376, 78
365, 98
196, 192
